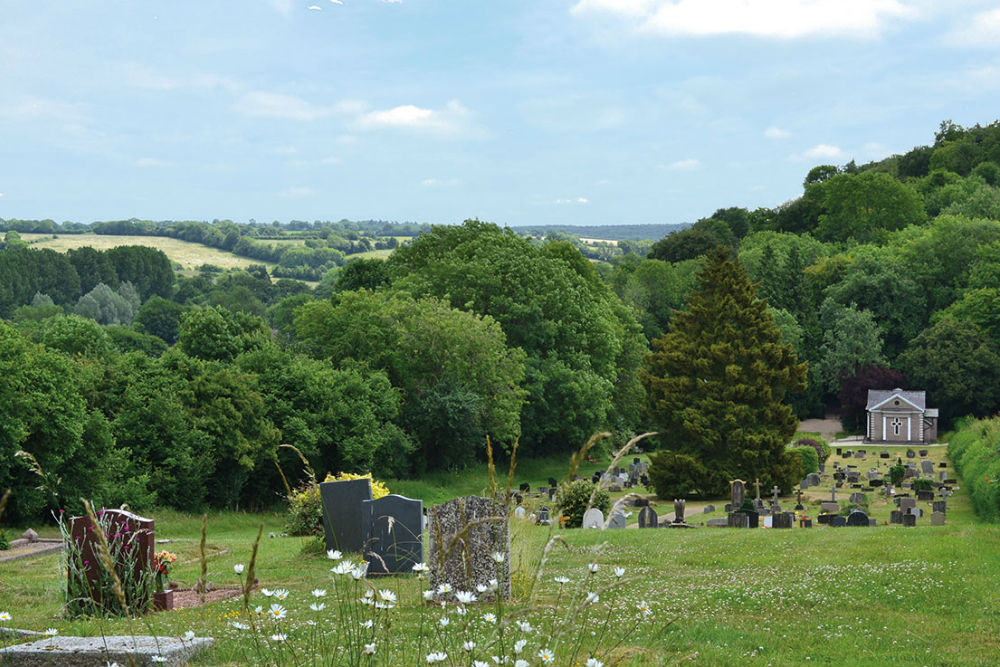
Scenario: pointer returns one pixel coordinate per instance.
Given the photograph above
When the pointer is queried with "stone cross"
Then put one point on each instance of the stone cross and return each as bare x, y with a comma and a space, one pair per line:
756, 483
833, 494
775, 490
799, 496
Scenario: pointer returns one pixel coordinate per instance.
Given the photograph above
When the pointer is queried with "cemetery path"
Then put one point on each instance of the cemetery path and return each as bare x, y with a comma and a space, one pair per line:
827, 428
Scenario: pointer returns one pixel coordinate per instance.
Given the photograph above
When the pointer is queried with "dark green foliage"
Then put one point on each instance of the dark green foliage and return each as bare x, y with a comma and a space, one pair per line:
865, 206
125, 339
923, 485
673, 475
689, 243
572, 499
853, 394
218, 334
974, 449
160, 318
897, 473
808, 459
148, 269
717, 382
4, 541
362, 274
820, 446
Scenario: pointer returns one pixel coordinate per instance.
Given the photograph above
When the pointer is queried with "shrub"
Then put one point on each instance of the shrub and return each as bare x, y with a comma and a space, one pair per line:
819, 444
673, 475
305, 508
4, 542
897, 473
973, 450
572, 499
809, 458
923, 485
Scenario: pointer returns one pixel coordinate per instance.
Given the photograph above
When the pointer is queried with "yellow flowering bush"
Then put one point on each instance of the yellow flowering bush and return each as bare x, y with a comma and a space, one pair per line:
305, 509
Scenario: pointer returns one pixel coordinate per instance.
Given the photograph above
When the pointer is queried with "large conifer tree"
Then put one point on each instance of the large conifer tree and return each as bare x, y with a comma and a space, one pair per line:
718, 378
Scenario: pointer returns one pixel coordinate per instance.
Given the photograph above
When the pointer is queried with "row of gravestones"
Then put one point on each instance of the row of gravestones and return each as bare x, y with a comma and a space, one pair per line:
464, 534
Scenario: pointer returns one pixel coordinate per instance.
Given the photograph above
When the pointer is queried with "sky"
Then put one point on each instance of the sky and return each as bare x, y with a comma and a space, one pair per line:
519, 112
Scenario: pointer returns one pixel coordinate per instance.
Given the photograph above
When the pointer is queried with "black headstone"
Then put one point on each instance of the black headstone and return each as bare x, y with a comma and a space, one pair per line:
838, 521
909, 519
925, 495
342, 512
647, 517
895, 516
753, 520
858, 519
393, 534
782, 520
738, 520
824, 519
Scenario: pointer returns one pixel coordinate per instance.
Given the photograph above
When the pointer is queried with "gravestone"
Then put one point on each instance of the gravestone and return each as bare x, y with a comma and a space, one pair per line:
895, 516
943, 464
838, 451
943, 475
907, 503
857, 498
916, 511
738, 520
648, 518
927, 467
717, 523
937, 519
782, 520
830, 507
126, 534
753, 519
923, 453
594, 518
679, 510
909, 520
342, 525
525, 487
804, 484
824, 519
939, 506
614, 488
925, 495
858, 518
139, 650
519, 512
617, 520
876, 482
910, 454
737, 492
543, 516
728, 507
393, 533
822, 467
853, 476
838, 521
709, 509
814, 479
463, 536
805, 523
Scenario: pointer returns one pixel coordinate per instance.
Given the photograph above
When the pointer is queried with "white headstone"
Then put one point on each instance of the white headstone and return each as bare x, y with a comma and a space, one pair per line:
593, 518
519, 512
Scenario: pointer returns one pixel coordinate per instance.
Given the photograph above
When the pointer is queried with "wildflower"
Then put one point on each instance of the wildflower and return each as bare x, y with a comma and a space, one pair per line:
493, 584
521, 662
444, 588
51, 632
258, 610
429, 595
189, 635
594, 662
465, 597
436, 657
279, 637
370, 649
461, 611
4, 616
317, 607
240, 626
482, 588
360, 571
468, 646
281, 593
368, 624
480, 663
343, 567
238, 568
592, 567
592, 598
490, 617
318, 593
561, 580
547, 656
498, 556
266, 592
619, 572
523, 626
421, 567
519, 645
277, 611
387, 595
333, 554
444, 621
644, 608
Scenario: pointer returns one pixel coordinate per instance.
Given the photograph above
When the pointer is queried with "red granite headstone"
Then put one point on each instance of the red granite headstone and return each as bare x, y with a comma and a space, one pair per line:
130, 539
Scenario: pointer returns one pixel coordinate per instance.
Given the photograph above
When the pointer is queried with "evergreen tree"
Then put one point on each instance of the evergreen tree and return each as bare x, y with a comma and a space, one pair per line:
718, 379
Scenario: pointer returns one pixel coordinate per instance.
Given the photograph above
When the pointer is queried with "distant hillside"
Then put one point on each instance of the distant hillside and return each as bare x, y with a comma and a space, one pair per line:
606, 232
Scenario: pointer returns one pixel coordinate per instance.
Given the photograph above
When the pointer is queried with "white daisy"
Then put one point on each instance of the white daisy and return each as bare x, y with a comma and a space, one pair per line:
277, 612
524, 626
4, 616
444, 588
519, 645
490, 617
619, 572
468, 646
386, 595
546, 656
333, 554
238, 568
318, 593
51, 632
561, 580
592, 567
594, 662
499, 556
317, 607
465, 597
592, 598
421, 567
279, 637
370, 649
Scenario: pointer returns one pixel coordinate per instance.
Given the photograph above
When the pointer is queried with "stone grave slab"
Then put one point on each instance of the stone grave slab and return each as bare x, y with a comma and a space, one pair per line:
925, 495
717, 523
895, 516
937, 518
648, 518
907, 503
141, 651
738, 520
813, 478
708, 509
782, 520
342, 524
830, 507
393, 533
463, 535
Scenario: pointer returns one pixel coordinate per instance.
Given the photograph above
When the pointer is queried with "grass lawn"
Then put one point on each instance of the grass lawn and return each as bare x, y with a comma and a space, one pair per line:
871, 596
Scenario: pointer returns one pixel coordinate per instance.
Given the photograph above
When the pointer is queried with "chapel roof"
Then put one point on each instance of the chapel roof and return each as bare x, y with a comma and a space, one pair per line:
878, 396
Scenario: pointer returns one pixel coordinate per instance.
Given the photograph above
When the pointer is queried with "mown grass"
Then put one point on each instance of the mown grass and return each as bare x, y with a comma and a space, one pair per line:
873, 596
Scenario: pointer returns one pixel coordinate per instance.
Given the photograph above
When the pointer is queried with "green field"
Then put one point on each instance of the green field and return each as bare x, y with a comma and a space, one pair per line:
886, 595
188, 255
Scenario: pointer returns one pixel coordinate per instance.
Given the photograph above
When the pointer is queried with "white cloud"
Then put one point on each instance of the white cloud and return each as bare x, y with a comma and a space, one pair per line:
782, 19
151, 162
823, 151
573, 200
453, 118
297, 192
439, 182
276, 105
776, 133
981, 30
689, 164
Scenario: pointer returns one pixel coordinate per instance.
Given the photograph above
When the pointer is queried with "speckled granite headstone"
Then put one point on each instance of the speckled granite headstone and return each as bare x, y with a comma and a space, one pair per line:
463, 535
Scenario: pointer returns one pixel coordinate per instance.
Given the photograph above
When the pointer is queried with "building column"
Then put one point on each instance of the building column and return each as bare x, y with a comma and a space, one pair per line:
868, 425
885, 436
909, 420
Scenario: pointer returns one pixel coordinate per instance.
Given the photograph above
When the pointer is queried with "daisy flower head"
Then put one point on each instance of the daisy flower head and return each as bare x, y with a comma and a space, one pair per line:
594, 662
317, 606
461, 610
480, 663
592, 598
238, 568
240, 626
468, 646
493, 584
360, 571
465, 597
499, 556
258, 610
490, 617
386, 595
281, 593
521, 662
593, 567
370, 649
4, 616
442, 589
444, 621
482, 588
51, 632
644, 608
266, 592
279, 637
318, 593
561, 580
429, 595
277, 612
333, 554
619, 572
523, 626
436, 657
519, 645
546, 656
421, 567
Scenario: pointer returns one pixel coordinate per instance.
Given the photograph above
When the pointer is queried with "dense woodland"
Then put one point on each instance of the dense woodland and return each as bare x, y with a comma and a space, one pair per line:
128, 381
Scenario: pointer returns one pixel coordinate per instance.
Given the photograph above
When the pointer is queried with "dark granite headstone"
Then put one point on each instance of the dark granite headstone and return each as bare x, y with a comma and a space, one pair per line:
838, 521
858, 518
876, 482
648, 517
895, 516
782, 520
939, 506
393, 534
909, 520
463, 535
943, 464
753, 519
342, 512
910, 454
738, 520
824, 519
925, 495
923, 453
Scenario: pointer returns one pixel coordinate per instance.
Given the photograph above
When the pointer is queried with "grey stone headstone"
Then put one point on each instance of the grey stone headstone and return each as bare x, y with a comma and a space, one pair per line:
519, 512
617, 520
943, 475
463, 535
144, 651
814, 479
927, 467
940, 506
910, 453
909, 520
717, 523
830, 507
738, 493
728, 507
738, 520
709, 509
916, 511
858, 519
857, 498
804, 484
782, 520
648, 518
907, 503
393, 534
342, 512
853, 476
937, 519
593, 518
895, 516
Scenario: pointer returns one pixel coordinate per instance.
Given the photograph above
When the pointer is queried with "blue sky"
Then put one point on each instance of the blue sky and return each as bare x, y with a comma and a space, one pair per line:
517, 112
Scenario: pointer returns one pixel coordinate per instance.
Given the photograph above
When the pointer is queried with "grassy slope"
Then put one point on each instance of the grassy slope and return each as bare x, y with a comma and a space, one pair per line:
876, 596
